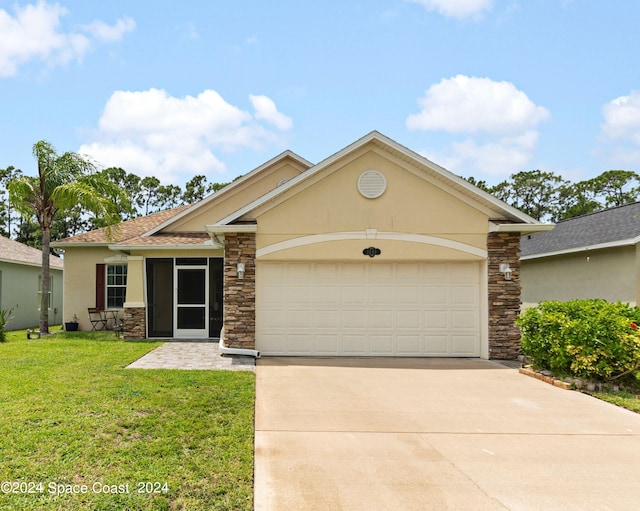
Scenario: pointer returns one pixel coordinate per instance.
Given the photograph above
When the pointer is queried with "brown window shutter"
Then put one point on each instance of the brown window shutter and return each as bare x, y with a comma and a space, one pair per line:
100, 286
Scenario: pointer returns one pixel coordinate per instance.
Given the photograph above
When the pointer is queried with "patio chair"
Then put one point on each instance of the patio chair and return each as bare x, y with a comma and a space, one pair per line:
97, 318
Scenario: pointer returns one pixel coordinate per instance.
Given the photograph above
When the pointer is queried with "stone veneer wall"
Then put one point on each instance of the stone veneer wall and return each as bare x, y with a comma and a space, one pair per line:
504, 295
240, 294
135, 323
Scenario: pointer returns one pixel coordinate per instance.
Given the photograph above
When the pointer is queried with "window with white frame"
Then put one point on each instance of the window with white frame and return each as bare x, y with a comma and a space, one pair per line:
116, 285
49, 294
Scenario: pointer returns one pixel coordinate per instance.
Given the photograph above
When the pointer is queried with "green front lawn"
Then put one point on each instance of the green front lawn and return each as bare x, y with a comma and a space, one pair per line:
79, 431
626, 399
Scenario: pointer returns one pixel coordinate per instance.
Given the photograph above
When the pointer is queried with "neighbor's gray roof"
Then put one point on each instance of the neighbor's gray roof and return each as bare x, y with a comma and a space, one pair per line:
608, 226
15, 252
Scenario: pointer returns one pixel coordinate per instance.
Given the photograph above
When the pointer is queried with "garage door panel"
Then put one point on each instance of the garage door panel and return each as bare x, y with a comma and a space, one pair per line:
327, 344
327, 319
464, 295
381, 345
381, 295
408, 319
408, 295
435, 272
436, 319
353, 295
464, 273
326, 295
275, 319
409, 345
355, 344
300, 319
378, 309
327, 271
437, 345
380, 319
300, 344
464, 319
436, 295
354, 319
298, 294
275, 342
464, 345
353, 273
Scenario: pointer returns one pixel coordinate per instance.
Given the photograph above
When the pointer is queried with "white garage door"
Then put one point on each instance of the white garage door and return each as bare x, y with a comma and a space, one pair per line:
373, 309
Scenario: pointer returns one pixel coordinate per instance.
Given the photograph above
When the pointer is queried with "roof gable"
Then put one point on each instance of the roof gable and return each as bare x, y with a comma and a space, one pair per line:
266, 177
614, 226
494, 208
13, 252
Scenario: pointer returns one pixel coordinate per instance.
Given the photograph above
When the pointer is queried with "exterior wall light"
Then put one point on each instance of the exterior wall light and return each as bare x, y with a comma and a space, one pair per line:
240, 270
506, 270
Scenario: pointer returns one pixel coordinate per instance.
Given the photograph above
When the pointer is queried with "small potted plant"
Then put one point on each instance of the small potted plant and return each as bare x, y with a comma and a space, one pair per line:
72, 326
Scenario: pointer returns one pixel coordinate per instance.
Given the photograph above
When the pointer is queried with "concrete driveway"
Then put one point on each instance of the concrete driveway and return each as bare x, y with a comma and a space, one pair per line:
435, 434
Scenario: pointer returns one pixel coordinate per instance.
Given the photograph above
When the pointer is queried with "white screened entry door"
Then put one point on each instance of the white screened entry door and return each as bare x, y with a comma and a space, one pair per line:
368, 309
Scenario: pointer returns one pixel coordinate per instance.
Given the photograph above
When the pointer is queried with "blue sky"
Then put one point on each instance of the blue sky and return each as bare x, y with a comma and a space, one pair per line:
484, 88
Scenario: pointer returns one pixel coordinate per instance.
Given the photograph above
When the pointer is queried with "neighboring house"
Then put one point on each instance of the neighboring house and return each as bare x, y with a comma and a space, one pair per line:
375, 251
20, 268
591, 256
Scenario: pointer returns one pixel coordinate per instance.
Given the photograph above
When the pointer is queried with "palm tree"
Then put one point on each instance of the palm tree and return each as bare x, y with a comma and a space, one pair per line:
63, 181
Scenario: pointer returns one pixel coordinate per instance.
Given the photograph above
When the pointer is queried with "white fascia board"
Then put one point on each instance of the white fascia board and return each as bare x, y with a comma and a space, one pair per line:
84, 244
163, 247
585, 248
522, 228
222, 229
227, 189
24, 263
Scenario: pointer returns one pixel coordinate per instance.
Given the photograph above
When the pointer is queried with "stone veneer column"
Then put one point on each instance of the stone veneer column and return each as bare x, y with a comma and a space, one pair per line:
135, 320
240, 294
504, 295
134, 323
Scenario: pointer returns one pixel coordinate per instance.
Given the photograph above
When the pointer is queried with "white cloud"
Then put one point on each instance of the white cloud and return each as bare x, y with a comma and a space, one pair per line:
499, 114
464, 104
110, 33
456, 8
266, 110
620, 131
622, 118
496, 158
152, 133
34, 33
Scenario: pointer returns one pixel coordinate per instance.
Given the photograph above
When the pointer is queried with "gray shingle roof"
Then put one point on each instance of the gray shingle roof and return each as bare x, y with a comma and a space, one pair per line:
15, 252
610, 225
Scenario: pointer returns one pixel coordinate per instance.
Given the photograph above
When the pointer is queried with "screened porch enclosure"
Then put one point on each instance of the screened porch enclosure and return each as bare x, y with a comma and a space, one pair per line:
184, 297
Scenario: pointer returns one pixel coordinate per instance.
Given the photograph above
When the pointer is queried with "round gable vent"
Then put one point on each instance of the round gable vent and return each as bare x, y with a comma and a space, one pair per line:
371, 184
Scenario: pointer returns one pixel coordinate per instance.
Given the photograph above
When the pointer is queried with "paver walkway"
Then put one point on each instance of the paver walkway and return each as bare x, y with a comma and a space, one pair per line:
192, 355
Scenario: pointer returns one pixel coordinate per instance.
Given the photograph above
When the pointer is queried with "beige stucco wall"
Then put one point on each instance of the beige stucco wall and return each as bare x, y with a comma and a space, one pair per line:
80, 281
330, 203
609, 274
241, 195
19, 291
80, 276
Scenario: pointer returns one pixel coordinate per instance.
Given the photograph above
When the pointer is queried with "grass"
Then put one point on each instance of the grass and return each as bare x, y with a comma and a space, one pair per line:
624, 398
73, 415
627, 397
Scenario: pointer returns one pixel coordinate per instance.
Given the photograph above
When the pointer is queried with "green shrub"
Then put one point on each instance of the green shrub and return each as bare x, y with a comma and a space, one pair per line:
583, 338
5, 317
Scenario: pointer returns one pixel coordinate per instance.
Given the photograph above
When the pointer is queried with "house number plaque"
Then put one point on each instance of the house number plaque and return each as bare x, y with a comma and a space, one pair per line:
372, 251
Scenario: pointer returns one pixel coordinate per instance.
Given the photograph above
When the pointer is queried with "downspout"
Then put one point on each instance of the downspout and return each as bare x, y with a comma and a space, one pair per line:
236, 351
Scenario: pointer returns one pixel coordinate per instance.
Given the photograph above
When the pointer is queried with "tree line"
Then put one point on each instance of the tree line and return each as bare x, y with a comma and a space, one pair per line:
136, 196
545, 196
548, 196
